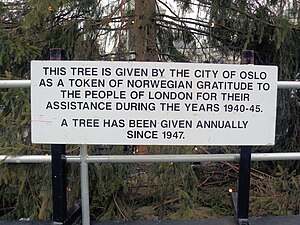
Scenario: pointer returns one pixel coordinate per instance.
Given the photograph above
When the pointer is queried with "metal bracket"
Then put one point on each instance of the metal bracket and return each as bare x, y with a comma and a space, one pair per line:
243, 222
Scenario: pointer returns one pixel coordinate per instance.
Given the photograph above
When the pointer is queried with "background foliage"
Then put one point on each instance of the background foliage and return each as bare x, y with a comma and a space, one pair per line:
190, 31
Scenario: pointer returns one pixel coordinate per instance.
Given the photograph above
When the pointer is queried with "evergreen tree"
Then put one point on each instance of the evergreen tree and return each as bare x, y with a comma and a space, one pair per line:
271, 29
186, 31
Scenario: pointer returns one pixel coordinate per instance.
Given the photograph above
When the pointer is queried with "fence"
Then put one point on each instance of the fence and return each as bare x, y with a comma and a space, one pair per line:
84, 158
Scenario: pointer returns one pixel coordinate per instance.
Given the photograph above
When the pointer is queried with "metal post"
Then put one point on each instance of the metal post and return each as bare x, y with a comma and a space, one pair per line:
84, 176
59, 178
244, 186
247, 57
242, 205
59, 183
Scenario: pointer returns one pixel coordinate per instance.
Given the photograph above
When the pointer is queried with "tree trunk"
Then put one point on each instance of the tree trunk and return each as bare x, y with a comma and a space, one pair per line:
145, 39
145, 30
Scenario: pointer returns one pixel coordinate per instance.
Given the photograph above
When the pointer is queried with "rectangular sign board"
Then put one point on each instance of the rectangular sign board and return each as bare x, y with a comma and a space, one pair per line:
152, 103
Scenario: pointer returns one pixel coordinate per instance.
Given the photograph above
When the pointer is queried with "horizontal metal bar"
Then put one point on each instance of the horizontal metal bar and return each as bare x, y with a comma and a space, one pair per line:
161, 158
153, 158
27, 83
288, 84
15, 83
26, 159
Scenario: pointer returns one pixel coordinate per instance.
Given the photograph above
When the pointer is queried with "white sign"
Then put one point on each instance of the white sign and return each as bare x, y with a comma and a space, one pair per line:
100, 102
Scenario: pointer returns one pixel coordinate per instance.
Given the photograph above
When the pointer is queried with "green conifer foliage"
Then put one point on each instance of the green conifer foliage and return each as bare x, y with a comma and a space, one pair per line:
28, 29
